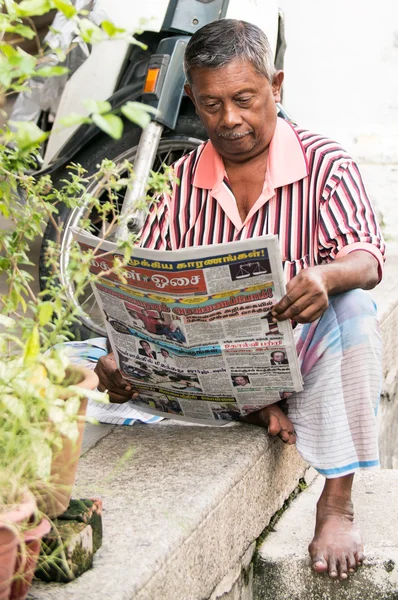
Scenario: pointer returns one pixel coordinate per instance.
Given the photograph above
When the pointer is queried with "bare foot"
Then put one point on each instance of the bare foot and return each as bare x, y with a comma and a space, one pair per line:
337, 547
274, 419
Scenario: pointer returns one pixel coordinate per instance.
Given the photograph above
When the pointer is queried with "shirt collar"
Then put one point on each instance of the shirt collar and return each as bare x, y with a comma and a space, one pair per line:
287, 162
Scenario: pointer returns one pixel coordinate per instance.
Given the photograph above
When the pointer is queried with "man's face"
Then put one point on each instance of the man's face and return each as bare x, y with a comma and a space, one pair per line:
164, 353
146, 346
278, 356
240, 380
237, 106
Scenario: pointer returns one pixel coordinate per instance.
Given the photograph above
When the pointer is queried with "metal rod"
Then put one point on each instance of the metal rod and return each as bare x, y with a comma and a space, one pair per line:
132, 219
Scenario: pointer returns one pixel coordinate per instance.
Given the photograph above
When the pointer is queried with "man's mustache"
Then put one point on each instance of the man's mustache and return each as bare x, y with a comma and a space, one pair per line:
233, 135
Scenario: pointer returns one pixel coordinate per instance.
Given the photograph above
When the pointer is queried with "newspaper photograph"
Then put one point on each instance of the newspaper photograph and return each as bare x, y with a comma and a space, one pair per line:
192, 329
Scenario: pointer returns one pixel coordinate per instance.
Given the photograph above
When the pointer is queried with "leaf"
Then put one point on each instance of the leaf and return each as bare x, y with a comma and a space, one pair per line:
5, 77
51, 71
111, 124
138, 113
27, 134
74, 119
12, 8
33, 8
127, 252
9, 50
23, 303
6, 322
18, 29
23, 63
46, 310
111, 29
25, 31
97, 106
32, 346
66, 8
61, 55
89, 32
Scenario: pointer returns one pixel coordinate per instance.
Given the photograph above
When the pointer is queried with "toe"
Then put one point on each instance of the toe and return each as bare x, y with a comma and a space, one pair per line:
289, 437
319, 564
359, 558
332, 567
343, 568
351, 563
274, 427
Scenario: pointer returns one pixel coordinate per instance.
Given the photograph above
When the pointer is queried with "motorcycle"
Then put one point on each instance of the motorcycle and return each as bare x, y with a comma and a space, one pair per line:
118, 72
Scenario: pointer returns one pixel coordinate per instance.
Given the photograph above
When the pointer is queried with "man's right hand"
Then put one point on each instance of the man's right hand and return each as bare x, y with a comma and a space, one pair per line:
111, 380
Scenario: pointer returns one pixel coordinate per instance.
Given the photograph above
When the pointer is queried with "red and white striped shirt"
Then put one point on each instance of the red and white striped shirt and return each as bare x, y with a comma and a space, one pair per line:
313, 198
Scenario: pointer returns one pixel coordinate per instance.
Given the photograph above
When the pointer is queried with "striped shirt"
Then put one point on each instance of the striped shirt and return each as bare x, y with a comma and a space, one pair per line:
313, 198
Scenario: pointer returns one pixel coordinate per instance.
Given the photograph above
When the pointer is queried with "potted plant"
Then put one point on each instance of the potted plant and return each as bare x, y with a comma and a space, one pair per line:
41, 404
42, 396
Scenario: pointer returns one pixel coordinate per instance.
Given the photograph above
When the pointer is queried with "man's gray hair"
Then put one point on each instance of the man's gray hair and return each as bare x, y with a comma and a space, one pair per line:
218, 43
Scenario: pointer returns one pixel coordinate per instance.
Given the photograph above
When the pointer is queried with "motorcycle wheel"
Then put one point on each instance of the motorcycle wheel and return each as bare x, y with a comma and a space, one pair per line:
187, 135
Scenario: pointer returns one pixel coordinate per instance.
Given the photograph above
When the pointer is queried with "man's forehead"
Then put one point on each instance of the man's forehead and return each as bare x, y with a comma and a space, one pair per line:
238, 71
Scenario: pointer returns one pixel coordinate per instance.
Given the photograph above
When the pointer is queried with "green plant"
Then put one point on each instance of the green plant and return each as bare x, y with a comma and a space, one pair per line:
39, 395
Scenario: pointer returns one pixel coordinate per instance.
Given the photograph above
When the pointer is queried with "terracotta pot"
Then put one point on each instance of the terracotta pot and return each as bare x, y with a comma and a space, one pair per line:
27, 560
53, 498
11, 523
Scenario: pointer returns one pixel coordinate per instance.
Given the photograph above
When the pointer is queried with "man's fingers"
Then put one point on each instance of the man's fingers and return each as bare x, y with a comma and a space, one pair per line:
293, 309
309, 315
284, 304
107, 372
107, 386
305, 309
305, 290
119, 381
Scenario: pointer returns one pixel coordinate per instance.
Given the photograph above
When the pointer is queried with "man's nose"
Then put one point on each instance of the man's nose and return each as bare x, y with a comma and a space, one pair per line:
231, 116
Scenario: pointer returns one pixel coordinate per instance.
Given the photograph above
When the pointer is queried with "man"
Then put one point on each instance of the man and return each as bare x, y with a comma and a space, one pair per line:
260, 175
278, 358
146, 350
240, 380
165, 357
173, 332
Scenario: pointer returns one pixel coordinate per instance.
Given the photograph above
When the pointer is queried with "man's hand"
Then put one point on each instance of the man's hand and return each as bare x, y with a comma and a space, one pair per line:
307, 294
111, 380
306, 297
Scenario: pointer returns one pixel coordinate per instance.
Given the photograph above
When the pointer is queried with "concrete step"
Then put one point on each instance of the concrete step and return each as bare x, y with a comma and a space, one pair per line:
282, 568
183, 506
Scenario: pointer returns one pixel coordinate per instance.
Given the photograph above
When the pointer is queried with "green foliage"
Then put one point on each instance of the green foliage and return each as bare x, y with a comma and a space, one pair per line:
138, 113
38, 401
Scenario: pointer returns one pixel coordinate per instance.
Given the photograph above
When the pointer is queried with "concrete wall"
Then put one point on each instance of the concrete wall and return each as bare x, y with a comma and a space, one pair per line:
342, 72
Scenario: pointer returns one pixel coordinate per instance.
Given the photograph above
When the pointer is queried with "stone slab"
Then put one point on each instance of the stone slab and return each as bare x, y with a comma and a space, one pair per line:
282, 568
181, 507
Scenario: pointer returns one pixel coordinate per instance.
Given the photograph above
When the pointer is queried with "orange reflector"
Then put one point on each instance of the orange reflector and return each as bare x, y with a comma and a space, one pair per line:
151, 79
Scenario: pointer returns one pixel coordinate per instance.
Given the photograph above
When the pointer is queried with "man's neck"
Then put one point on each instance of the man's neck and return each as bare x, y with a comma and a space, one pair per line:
255, 163
247, 181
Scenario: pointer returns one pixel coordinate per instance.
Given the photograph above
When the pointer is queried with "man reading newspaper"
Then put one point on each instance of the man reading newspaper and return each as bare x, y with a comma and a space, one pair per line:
256, 175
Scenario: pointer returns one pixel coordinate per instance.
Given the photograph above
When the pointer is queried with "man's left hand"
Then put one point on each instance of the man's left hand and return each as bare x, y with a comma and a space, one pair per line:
306, 297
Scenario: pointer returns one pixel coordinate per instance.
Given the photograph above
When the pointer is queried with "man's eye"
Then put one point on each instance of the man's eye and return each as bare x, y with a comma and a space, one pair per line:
243, 100
211, 105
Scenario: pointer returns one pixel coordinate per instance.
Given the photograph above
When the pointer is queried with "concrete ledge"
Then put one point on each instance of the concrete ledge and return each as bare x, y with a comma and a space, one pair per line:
181, 512
282, 567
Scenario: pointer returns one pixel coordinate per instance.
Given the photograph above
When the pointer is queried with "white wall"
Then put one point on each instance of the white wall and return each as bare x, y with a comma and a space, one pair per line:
341, 67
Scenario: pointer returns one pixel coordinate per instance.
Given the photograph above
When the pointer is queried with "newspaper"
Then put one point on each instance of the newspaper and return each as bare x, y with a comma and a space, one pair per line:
192, 329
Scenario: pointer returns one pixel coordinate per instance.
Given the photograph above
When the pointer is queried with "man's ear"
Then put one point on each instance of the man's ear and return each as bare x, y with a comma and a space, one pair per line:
277, 85
188, 91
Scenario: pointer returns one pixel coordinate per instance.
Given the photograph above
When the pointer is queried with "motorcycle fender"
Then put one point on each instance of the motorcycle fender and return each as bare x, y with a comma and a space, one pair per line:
86, 133
167, 95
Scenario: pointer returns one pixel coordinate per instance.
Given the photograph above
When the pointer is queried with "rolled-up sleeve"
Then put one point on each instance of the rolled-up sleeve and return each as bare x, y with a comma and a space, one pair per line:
347, 219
